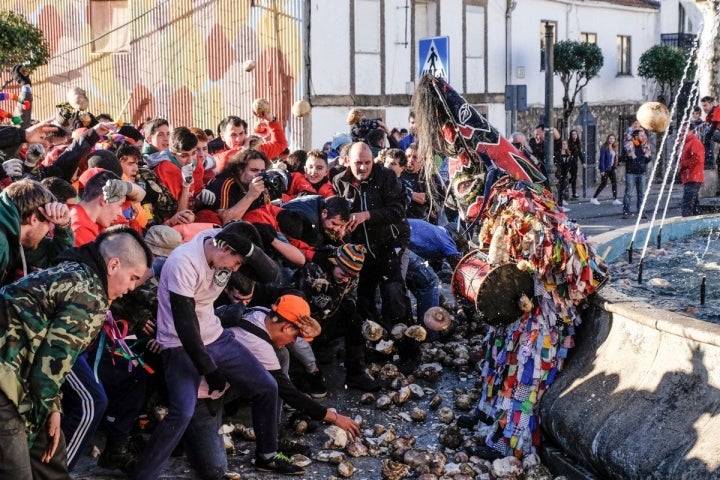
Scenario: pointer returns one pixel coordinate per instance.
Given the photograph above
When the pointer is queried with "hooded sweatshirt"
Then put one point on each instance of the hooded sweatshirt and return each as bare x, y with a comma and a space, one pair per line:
12, 260
49, 317
16, 261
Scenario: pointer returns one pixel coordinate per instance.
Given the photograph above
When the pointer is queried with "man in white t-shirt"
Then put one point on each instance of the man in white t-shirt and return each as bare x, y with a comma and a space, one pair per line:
195, 344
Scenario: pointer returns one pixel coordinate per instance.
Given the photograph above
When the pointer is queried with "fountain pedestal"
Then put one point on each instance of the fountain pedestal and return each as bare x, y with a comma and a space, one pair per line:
710, 185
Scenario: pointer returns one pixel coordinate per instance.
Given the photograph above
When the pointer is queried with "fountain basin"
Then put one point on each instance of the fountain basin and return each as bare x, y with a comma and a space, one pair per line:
640, 393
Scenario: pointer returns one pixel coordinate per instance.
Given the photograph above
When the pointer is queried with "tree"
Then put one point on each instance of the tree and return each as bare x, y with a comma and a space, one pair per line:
576, 63
665, 65
21, 42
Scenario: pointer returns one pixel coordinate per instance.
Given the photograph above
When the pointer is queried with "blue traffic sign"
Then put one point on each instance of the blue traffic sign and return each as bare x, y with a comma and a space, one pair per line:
434, 57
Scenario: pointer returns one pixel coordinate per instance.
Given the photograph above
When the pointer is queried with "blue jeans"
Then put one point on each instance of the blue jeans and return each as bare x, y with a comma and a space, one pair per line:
204, 446
424, 284
636, 180
242, 371
14, 451
84, 403
689, 204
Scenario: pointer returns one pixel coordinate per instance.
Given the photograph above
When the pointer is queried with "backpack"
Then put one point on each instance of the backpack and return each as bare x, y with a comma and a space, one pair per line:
157, 195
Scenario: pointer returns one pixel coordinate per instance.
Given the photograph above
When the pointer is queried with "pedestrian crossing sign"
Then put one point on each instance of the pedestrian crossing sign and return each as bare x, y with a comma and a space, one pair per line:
434, 56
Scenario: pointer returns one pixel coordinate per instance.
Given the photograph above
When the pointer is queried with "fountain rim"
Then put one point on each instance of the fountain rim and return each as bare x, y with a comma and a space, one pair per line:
617, 302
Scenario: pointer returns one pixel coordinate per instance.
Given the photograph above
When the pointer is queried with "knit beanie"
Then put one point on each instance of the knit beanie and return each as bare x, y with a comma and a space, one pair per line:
351, 258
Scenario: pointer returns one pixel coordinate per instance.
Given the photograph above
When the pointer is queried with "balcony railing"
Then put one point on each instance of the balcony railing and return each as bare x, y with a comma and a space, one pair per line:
678, 40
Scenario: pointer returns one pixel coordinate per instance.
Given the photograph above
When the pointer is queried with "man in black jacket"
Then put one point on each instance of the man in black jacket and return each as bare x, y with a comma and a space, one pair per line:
377, 220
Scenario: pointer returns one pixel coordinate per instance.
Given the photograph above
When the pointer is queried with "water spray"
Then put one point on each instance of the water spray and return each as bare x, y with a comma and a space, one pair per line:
677, 148
707, 245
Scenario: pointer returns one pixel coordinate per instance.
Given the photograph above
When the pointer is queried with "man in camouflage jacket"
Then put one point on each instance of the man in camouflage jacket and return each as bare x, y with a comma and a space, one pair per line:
47, 319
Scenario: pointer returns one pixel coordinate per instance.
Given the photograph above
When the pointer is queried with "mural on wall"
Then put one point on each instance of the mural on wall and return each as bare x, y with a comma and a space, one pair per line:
180, 59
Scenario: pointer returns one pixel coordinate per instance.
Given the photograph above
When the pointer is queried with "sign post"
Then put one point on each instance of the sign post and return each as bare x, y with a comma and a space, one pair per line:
434, 57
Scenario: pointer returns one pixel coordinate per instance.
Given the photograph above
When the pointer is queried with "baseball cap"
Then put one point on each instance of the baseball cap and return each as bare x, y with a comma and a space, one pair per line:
340, 139
244, 239
88, 174
162, 240
291, 307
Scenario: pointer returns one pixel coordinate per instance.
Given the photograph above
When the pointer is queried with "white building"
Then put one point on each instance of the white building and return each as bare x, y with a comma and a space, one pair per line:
364, 53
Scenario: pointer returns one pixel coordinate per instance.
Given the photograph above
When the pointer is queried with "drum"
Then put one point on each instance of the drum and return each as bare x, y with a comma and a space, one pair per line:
495, 291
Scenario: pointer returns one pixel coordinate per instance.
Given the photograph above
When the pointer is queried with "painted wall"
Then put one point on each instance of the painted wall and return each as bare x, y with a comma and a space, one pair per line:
184, 62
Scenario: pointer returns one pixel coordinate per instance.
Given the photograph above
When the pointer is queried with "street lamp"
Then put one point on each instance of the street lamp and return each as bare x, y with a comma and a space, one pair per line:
549, 118
585, 120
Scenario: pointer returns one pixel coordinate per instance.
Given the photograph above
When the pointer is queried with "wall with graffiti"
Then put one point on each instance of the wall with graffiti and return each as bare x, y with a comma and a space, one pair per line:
185, 60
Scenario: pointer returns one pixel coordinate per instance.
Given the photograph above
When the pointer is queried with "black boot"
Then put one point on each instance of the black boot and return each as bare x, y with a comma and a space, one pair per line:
356, 371
409, 351
118, 455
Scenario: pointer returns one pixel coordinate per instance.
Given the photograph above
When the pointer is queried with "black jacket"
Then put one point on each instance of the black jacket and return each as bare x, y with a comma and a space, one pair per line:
383, 195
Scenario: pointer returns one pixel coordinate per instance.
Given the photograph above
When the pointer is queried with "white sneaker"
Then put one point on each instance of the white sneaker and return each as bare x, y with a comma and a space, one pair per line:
594, 201
617, 202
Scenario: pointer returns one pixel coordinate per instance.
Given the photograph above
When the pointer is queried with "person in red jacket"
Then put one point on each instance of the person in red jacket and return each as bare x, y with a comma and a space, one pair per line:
234, 132
692, 176
315, 180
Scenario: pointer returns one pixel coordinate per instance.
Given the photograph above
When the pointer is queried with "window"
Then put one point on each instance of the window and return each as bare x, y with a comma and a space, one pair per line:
109, 26
624, 63
586, 37
543, 23
425, 19
475, 48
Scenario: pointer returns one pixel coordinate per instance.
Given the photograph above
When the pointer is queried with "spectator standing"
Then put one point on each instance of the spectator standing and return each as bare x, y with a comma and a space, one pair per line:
635, 170
576, 155
563, 166
409, 139
608, 165
239, 187
157, 137
692, 162
377, 221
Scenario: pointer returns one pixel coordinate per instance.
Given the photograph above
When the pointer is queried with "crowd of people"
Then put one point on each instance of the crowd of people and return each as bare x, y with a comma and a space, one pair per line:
170, 266
182, 267
697, 136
